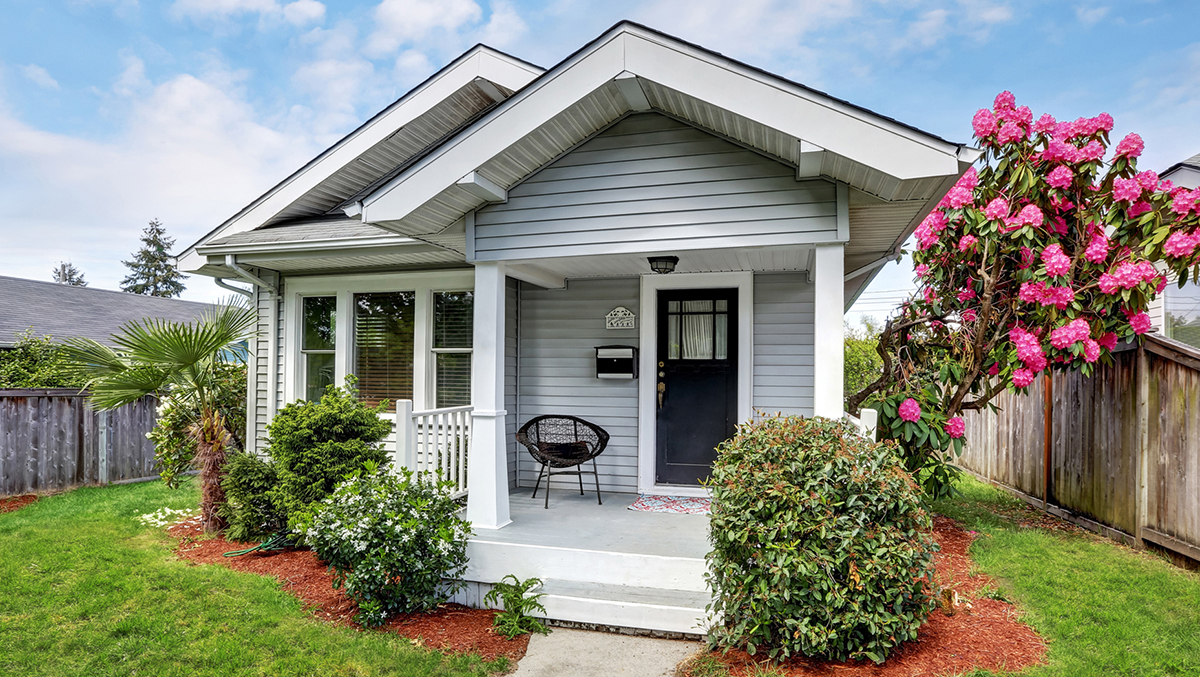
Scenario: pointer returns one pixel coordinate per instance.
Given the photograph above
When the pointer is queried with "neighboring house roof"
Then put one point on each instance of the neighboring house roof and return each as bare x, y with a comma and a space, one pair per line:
63, 311
1185, 173
896, 172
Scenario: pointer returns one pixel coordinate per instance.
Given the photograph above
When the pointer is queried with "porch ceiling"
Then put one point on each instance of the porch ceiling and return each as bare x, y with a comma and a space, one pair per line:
760, 259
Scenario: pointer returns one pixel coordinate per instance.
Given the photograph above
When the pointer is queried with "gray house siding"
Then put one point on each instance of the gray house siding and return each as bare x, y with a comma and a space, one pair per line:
783, 344
559, 332
652, 183
258, 374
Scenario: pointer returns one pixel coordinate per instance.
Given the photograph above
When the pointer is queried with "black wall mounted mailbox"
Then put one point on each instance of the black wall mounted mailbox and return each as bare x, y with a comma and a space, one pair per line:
616, 362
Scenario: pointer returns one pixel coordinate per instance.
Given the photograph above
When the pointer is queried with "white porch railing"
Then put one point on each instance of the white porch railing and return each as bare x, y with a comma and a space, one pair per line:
867, 421
434, 441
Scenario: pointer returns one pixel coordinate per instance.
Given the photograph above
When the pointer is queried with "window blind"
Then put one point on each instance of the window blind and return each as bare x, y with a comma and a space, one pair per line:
383, 346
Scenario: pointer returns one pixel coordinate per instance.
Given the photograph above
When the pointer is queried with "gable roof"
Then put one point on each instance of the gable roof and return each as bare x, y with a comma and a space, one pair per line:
63, 311
445, 102
1185, 173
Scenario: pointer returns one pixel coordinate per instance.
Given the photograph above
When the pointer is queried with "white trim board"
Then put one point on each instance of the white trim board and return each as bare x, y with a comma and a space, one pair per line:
647, 329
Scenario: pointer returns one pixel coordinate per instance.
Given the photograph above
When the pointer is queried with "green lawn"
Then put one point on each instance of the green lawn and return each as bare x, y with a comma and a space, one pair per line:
89, 590
1105, 610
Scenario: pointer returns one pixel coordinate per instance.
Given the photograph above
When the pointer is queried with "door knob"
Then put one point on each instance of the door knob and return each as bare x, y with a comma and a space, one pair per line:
662, 388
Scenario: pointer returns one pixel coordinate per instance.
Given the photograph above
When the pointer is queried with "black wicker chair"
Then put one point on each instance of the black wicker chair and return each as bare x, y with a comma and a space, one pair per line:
563, 442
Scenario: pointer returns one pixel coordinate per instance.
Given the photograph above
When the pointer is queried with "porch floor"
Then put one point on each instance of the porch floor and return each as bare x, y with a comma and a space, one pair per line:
578, 523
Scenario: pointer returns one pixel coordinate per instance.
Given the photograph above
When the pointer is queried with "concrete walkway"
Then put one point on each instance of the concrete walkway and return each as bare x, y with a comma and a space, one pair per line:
571, 653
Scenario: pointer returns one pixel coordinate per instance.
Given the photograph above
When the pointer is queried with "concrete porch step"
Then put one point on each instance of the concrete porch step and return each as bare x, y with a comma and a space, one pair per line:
658, 609
491, 560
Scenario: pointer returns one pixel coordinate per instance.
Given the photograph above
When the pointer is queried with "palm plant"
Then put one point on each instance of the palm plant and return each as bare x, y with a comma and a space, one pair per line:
156, 356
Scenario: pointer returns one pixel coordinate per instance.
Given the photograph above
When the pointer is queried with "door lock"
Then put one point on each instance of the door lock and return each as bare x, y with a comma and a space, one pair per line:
662, 388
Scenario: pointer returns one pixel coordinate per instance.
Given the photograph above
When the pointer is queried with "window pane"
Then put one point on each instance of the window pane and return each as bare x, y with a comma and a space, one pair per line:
1183, 313
453, 318
722, 305
722, 339
453, 379
318, 373
319, 315
673, 336
697, 335
383, 346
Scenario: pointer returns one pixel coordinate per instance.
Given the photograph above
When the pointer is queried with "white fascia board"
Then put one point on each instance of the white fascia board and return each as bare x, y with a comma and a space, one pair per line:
890, 147
523, 113
872, 140
478, 62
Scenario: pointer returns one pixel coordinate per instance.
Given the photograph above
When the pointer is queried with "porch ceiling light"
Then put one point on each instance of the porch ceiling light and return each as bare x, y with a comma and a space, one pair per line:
663, 264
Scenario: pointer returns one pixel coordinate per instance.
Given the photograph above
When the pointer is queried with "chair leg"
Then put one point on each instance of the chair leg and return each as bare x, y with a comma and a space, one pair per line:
596, 474
539, 480
580, 476
548, 476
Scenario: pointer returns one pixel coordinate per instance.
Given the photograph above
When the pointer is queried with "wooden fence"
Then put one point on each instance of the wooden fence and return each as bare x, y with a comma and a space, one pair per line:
1123, 453
51, 441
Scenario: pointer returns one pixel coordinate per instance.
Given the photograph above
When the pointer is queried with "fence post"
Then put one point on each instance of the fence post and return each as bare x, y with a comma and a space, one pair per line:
406, 437
1047, 435
1141, 508
102, 444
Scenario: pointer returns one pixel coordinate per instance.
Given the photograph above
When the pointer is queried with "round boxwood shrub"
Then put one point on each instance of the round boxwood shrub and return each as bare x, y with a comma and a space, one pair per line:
396, 543
248, 509
821, 546
315, 445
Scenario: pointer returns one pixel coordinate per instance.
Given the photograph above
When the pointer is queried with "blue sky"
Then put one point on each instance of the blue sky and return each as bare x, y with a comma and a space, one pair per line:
114, 112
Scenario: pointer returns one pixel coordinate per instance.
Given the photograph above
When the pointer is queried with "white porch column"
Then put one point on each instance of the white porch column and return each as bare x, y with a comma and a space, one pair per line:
828, 348
487, 461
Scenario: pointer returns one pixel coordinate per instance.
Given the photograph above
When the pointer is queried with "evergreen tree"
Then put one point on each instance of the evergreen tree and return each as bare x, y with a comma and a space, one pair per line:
67, 273
151, 272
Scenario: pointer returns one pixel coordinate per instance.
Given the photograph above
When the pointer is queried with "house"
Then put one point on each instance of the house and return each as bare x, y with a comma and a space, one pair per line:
63, 311
462, 251
1176, 314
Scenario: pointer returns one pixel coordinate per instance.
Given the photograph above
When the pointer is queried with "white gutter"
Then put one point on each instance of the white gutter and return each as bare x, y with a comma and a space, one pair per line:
231, 263
870, 266
225, 285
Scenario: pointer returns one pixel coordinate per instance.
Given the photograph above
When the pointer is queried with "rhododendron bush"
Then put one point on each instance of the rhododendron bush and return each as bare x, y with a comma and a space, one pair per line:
1043, 257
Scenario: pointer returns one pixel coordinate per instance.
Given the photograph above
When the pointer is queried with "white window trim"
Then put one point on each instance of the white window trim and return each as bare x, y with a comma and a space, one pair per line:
648, 339
344, 287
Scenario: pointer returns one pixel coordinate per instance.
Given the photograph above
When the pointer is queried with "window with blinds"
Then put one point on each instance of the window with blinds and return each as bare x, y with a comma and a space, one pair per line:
383, 346
453, 333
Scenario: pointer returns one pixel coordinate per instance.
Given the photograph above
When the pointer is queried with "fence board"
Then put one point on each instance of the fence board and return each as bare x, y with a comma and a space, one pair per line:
1095, 443
49, 441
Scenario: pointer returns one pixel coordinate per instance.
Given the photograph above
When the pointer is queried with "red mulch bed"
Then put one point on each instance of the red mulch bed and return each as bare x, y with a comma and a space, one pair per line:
452, 627
988, 635
11, 503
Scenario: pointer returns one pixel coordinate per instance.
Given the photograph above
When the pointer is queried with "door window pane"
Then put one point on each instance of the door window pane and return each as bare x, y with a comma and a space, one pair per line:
383, 346
318, 374
320, 313
698, 329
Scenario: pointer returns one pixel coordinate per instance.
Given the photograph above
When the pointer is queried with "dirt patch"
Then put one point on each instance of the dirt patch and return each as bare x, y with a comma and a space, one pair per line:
988, 635
11, 503
452, 627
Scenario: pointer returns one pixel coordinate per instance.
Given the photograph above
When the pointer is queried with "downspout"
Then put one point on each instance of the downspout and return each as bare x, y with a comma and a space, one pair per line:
225, 285
231, 263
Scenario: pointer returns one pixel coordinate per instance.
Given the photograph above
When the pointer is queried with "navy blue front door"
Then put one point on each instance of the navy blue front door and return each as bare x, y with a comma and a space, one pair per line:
696, 386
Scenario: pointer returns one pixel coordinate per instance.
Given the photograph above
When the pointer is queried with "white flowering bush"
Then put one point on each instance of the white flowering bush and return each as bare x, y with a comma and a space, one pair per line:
395, 543
166, 516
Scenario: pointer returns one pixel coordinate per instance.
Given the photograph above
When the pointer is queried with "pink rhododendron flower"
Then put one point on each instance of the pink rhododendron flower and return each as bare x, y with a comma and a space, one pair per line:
922, 270
956, 427
1139, 322
969, 315
1091, 350
1107, 283
969, 180
1104, 122
910, 411
984, 123
1092, 152
1027, 257
1180, 244
994, 369
1160, 284
1148, 180
1131, 146
1031, 215
1057, 262
958, 197
1029, 348
1022, 378
967, 242
930, 295
1010, 132
936, 221
1070, 334
1108, 340
996, 209
1045, 124
1031, 292
1059, 297
1060, 151
1126, 190
1166, 186
1184, 201
1060, 177
1097, 249
966, 295
1004, 100
926, 238
1139, 208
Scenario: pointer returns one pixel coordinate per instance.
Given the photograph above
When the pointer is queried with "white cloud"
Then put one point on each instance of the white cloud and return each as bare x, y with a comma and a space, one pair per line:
132, 79
505, 26
1163, 107
298, 13
399, 22
412, 66
39, 76
191, 154
1090, 16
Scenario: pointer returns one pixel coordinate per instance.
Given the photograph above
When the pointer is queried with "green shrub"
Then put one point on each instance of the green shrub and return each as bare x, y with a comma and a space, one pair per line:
821, 546
174, 445
391, 541
36, 362
248, 510
518, 604
314, 445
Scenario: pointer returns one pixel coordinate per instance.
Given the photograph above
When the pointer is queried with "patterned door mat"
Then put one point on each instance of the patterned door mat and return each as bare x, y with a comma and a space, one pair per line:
680, 505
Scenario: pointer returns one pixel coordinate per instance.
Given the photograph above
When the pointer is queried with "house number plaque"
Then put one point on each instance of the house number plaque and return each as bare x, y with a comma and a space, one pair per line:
620, 318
